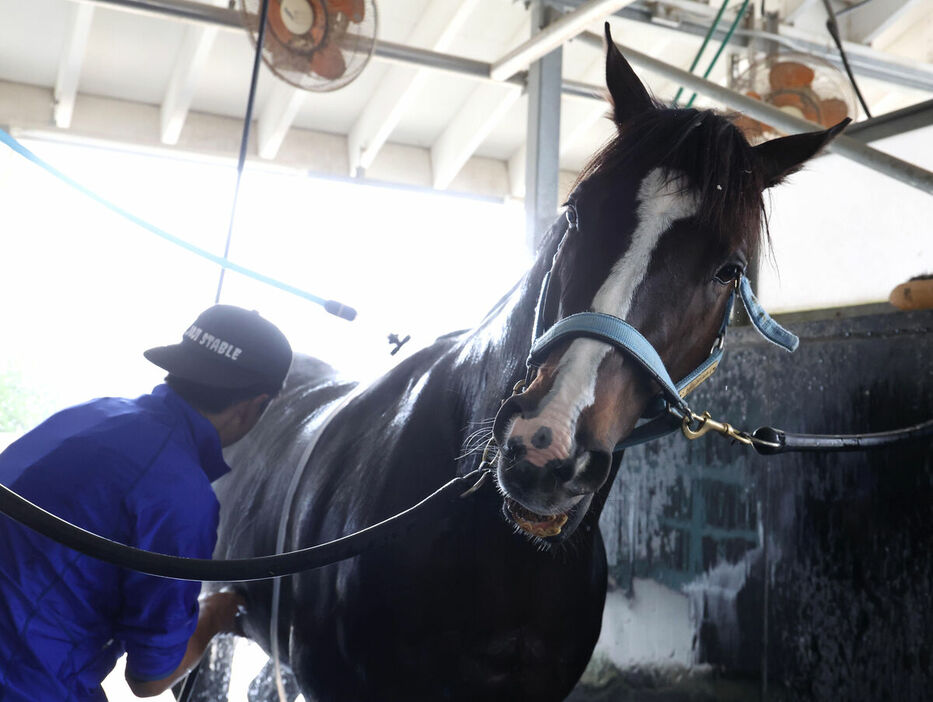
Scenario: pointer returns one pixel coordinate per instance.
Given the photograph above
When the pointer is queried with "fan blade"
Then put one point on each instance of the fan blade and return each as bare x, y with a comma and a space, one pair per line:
320, 21
328, 62
797, 103
785, 75
833, 111
355, 10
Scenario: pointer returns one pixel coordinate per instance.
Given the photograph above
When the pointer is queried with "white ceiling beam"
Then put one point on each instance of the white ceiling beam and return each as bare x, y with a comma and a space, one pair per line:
804, 14
880, 21
436, 29
189, 63
864, 23
554, 35
276, 118
484, 109
26, 112
69, 66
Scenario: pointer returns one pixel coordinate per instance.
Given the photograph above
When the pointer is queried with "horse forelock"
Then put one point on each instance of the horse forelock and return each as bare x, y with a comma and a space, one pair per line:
702, 150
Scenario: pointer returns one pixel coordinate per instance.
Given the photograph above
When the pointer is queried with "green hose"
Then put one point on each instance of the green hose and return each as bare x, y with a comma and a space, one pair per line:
735, 23
709, 34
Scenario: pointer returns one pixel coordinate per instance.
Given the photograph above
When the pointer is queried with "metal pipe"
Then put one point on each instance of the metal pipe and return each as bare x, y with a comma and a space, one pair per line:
844, 146
722, 46
865, 61
384, 50
891, 123
696, 59
554, 35
179, 9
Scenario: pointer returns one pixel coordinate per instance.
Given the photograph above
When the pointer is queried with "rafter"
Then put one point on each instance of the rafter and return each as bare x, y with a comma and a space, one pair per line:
554, 35
69, 67
486, 106
276, 118
879, 21
483, 110
189, 63
436, 29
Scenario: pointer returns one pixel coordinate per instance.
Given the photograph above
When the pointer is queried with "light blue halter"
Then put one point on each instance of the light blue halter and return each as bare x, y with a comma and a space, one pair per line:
668, 410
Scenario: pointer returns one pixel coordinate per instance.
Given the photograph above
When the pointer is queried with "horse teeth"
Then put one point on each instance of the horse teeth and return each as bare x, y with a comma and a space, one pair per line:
540, 525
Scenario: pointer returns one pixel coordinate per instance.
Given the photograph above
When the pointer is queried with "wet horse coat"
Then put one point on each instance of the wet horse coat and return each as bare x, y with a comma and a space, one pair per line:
503, 599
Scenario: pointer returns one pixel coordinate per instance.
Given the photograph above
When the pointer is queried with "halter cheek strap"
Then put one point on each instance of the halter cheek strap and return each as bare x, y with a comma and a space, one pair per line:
766, 326
623, 336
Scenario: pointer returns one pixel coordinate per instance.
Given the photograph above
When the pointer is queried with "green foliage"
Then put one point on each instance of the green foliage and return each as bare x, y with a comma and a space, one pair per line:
21, 408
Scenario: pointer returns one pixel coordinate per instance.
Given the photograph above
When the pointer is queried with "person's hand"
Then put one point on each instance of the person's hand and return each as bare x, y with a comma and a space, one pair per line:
223, 608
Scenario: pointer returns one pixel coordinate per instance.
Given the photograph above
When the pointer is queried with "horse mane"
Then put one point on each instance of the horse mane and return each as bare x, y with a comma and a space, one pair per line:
705, 147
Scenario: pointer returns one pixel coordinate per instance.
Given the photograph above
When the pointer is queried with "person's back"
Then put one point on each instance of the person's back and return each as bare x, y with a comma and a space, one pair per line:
127, 470
138, 472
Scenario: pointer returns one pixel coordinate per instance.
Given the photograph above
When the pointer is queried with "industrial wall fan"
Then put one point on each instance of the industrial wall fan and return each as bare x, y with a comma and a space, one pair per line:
802, 85
316, 45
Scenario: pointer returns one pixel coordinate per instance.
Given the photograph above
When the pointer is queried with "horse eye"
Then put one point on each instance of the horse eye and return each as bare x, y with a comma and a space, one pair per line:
728, 273
571, 215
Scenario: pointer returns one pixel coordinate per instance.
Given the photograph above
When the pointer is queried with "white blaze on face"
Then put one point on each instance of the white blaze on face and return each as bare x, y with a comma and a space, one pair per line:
661, 202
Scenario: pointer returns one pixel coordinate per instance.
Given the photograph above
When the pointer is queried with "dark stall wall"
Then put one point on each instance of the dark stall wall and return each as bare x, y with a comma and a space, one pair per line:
737, 576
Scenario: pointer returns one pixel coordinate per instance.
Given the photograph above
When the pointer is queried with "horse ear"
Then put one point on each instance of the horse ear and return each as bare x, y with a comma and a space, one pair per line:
629, 96
780, 157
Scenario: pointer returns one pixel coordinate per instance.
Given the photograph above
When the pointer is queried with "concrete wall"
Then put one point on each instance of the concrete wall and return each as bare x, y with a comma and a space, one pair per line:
737, 576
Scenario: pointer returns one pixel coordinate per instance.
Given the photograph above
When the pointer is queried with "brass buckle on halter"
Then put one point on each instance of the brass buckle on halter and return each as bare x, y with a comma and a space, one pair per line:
707, 424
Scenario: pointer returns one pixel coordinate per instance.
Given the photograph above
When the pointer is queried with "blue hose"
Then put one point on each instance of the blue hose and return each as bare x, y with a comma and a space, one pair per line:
331, 306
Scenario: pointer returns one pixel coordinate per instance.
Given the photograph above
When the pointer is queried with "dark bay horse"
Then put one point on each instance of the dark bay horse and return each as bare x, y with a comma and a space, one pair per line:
503, 600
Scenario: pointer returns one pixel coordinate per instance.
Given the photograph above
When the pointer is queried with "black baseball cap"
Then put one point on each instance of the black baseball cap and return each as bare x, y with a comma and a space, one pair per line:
228, 347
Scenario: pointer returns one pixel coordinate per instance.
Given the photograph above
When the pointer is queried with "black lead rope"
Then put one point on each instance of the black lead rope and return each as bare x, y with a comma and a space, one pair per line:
769, 441
436, 506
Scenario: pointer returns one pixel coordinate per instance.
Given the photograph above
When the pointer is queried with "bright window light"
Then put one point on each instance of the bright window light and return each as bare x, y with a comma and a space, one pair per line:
86, 291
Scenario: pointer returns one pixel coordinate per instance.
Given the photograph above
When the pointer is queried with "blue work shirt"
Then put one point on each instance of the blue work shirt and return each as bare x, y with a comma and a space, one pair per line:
135, 471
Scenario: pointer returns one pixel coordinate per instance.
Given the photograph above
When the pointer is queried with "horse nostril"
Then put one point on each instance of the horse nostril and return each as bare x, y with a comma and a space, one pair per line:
562, 469
542, 438
593, 471
514, 450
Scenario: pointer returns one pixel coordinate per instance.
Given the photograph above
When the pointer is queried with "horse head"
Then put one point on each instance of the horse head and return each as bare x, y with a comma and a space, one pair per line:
659, 228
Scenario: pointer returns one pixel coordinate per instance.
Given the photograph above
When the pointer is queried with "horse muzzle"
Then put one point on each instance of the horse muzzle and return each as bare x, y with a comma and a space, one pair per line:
547, 476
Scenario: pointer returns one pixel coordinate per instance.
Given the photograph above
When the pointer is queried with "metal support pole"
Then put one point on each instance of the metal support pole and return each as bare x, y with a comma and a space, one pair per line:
845, 146
542, 162
554, 35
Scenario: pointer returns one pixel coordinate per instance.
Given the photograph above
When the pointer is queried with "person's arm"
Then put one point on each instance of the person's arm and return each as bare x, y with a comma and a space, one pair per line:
217, 615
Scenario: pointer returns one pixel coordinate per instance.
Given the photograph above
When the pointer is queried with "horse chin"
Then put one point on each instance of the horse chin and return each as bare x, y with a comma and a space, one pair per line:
546, 530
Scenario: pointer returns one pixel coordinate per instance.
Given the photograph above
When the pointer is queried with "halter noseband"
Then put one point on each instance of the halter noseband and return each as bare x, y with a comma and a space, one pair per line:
668, 410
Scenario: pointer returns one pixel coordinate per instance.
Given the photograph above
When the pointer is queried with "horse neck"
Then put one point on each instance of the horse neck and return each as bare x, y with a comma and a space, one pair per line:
495, 352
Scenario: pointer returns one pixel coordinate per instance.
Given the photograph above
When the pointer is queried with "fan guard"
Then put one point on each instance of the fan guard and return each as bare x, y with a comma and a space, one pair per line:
800, 84
316, 45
